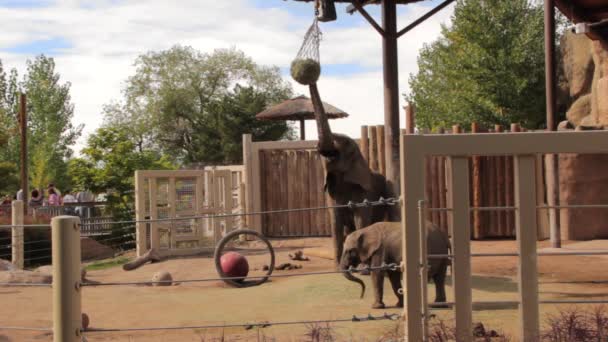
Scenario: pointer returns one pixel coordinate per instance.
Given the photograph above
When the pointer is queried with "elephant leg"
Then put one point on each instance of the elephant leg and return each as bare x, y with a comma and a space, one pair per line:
395, 278
363, 217
439, 280
378, 283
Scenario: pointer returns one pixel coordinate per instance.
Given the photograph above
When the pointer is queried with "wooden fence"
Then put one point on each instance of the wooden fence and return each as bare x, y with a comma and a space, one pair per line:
289, 174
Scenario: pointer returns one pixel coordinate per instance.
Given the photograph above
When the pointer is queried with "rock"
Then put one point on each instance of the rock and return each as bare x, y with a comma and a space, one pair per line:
299, 256
48, 269
93, 250
85, 321
6, 265
25, 277
283, 266
583, 180
162, 278
602, 101
479, 330
578, 63
580, 109
564, 126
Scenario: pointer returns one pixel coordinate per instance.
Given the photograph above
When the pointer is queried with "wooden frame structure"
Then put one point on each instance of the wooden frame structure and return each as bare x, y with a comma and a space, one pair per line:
181, 194
458, 148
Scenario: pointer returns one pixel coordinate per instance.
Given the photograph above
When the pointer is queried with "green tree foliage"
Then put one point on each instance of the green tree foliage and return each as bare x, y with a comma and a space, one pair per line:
50, 128
107, 165
488, 67
195, 106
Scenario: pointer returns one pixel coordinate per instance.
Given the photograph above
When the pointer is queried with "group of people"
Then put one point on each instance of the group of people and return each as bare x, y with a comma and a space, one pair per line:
51, 197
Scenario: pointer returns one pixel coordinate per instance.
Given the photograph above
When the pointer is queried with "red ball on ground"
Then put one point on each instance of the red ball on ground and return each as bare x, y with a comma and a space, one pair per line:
234, 265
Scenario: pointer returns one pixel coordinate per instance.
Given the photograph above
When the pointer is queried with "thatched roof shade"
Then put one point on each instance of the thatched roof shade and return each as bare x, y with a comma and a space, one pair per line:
298, 108
372, 2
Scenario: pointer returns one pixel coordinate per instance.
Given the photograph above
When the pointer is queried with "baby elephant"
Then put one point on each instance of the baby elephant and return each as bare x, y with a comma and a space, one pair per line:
382, 243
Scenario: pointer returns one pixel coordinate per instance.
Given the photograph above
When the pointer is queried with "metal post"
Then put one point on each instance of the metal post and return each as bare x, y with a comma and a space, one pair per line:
551, 167
424, 267
391, 92
412, 190
526, 232
17, 234
67, 310
24, 173
460, 229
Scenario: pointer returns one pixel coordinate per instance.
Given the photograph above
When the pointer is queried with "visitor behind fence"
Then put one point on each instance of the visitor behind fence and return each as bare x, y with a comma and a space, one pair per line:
36, 198
54, 199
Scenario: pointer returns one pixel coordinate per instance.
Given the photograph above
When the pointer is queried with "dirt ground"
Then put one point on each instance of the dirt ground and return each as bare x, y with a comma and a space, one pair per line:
287, 299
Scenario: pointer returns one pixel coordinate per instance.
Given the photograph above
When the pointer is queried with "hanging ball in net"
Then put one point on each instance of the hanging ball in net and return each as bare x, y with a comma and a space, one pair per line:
234, 265
305, 71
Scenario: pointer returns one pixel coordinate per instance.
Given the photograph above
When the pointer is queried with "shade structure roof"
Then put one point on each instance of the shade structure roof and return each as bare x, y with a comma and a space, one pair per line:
368, 2
298, 108
589, 11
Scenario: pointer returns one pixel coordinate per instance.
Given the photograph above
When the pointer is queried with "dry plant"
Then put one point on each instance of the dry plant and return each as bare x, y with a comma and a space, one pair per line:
320, 333
575, 325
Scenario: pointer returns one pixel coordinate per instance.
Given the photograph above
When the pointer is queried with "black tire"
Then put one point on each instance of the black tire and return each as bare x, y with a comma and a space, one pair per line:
220, 248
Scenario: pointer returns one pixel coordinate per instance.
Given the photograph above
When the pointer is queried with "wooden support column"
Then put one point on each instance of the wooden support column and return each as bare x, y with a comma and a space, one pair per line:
500, 189
373, 150
381, 150
550, 89
24, 172
391, 92
526, 231
154, 233
140, 214
410, 114
364, 144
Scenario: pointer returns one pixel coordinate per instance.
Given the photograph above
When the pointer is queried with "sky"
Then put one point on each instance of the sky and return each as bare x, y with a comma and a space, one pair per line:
95, 42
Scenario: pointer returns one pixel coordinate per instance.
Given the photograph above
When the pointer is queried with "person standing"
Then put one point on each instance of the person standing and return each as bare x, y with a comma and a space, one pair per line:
36, 199
54, 199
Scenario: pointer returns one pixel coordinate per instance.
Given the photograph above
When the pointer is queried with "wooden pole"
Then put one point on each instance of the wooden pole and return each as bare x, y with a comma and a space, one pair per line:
510, 219
23, 126
17, 234
477, 230
302, 130
67, 309
500, 189
364, 144
381, 150
373, 149
551, 167
391, 92
410, 113
443, 223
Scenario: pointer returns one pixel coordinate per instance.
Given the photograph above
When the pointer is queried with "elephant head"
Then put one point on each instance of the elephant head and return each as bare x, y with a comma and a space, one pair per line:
359, 248
342, 154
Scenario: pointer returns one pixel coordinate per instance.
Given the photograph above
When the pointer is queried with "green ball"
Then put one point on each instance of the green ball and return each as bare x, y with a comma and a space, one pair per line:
305, 71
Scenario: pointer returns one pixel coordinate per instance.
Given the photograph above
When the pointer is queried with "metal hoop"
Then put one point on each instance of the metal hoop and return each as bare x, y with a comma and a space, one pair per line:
218, 254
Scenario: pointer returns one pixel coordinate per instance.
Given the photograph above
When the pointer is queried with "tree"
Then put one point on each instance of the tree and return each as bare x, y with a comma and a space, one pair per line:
181, 101
50, 128
108, 164
488, 67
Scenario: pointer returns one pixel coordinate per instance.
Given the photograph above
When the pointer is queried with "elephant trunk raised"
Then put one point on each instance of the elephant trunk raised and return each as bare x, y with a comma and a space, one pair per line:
344, 265
326, 145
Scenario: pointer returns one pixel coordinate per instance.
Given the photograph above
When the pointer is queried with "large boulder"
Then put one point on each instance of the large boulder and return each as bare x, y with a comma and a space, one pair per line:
583, 179
578, 63
579, 110
48, 269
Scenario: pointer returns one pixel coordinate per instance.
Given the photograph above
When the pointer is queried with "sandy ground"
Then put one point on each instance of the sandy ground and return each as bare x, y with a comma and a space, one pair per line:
287, 299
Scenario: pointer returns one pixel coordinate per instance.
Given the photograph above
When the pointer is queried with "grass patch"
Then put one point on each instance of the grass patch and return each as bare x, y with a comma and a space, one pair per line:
105, 264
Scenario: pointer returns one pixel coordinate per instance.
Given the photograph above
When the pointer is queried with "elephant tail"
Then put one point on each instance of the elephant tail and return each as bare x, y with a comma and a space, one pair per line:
351, 277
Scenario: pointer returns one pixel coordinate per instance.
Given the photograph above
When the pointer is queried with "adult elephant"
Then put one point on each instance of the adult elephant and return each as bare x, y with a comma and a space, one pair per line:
348, 178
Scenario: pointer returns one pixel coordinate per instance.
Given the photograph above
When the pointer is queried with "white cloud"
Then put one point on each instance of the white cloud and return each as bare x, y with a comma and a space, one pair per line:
107, 35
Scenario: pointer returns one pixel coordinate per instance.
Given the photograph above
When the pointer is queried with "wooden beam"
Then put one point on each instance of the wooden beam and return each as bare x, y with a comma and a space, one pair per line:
350, 9
577, 15
358, 5
424, 17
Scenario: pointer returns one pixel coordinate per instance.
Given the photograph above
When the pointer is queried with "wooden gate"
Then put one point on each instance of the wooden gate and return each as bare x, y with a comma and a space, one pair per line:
180, 200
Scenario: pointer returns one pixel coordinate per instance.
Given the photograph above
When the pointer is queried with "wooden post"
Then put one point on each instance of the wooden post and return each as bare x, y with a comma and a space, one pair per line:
248, 176
24, 172
364, 145
302, 130
461, 231
373, 149
510, 219
17, 234
525, 221
381, 150
410, 112
140, 214
67, 310
477, 230
500, 189
172, 213
491, 194
434, 198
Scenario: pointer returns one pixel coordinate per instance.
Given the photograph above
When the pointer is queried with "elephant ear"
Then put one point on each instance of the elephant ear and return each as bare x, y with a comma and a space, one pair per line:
368, 243
359, 173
